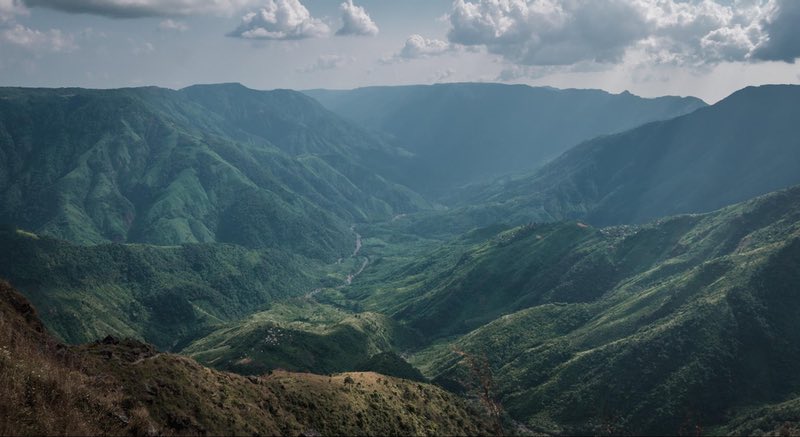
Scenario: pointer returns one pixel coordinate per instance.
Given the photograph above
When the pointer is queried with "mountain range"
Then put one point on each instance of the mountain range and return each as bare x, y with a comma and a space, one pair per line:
464, 133
743, 146
449, 259
169, 167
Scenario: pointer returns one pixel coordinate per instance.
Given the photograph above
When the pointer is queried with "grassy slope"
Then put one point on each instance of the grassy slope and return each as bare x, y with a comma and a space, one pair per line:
166, 295
126, 387
641, 329
233, 308
300, 335
780, 419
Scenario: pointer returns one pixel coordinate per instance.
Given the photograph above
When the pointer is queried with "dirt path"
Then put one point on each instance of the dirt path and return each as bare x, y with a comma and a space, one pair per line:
351, 276
358, 242
151, 357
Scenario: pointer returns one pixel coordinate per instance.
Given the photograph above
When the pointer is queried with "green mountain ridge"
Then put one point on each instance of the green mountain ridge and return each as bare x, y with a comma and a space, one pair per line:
152, 165
303, 335
640, 329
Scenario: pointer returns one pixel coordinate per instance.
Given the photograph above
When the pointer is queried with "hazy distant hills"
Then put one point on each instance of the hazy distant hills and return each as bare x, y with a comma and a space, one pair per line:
209, 163
746, 145
468, 132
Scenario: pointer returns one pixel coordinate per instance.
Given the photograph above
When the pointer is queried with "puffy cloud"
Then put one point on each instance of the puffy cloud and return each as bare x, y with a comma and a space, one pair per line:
549, 32
327, 62
280, 20
53, 40
142, 8
783, 33
418, 46
680, 32
9, 9
173, 25
356, 21
701, 32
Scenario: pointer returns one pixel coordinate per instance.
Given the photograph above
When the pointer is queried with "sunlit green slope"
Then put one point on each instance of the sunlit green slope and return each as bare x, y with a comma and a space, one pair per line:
643, 329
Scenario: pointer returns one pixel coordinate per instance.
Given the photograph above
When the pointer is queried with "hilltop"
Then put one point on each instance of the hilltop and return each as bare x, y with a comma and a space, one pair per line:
127, 387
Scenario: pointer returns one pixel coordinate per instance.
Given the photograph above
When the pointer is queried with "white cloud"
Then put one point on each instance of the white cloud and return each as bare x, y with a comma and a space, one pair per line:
548, 32
9, 9
327, 62
418, 46
677, 32
143, 8
356, 21
173, 25
280, 20
53, 40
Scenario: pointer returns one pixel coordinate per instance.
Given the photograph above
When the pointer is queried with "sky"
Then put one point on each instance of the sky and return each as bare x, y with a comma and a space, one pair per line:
704, 48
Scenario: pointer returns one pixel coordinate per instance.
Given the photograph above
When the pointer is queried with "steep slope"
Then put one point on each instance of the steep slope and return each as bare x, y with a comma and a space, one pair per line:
165, 295
468, 132
152, 165
746, 145
126, 387
659, 329
779, 419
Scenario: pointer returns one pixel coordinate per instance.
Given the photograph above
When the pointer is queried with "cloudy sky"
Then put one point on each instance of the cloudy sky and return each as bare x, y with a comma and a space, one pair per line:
706, 48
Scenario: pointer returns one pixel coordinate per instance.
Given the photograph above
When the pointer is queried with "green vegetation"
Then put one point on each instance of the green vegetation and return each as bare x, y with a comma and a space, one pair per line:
771, 420
127, 387
300, 335
389, 363
158, 166
165, 295
692, 319
260, 234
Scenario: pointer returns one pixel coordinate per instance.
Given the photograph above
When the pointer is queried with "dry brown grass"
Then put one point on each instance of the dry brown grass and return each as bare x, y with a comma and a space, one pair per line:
44, 389
126, 387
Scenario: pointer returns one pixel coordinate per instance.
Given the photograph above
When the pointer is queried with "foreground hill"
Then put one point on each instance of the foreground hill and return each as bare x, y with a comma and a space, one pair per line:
127, 387
746, 145
304, 335
218, 163
657, 329
467, 132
